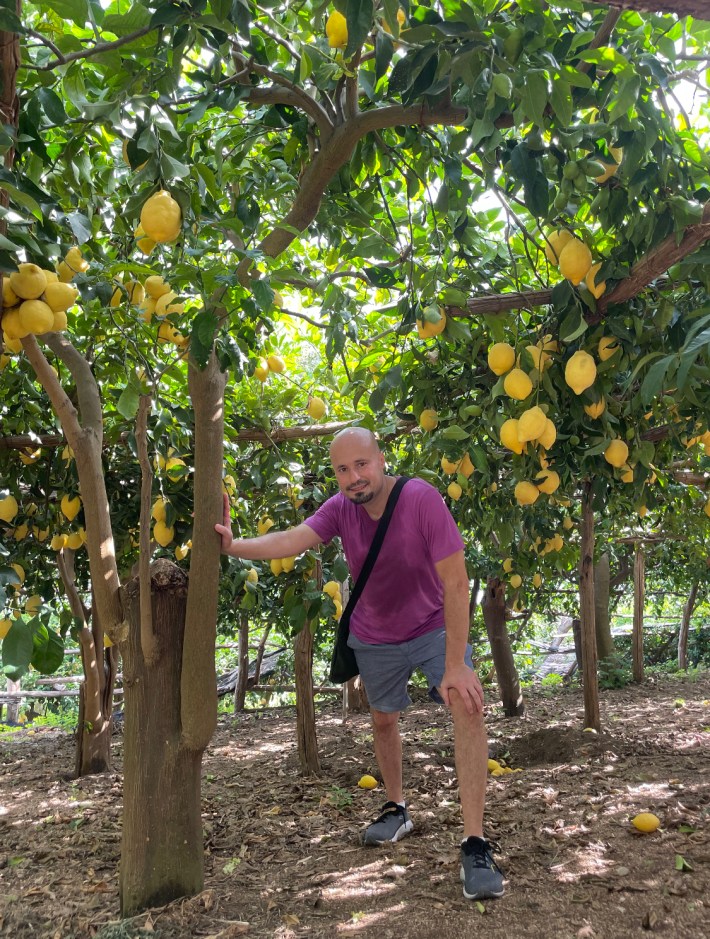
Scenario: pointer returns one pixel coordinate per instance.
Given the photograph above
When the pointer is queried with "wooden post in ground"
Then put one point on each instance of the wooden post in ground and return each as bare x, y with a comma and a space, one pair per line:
586, 604
639, 599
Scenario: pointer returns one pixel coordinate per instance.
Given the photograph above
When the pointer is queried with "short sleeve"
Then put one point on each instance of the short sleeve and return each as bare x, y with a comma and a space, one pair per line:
325, 522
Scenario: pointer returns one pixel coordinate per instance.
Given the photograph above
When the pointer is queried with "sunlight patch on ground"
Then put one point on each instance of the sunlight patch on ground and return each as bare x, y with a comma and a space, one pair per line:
367, 881
588, 860
360, 921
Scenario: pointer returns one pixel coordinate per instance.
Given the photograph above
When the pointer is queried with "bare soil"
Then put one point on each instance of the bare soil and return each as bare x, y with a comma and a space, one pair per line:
282, 853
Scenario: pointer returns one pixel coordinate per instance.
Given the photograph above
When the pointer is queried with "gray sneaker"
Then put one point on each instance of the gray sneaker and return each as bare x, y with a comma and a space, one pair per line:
481, 876
394, 823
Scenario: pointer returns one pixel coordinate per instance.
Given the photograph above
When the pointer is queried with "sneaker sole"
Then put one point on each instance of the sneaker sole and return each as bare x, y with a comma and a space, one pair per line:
401, 832
482, 895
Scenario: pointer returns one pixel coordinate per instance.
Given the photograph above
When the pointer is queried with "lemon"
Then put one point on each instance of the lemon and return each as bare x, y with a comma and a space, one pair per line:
526, 492
595, 410
646, 821
58, 542
706, 509
427, 329
610, 169
494, 766
617, 453
428, 419
642, 511
155, 286
539, 357
501, 358
60, 321
174, 468
275, 363
157, 511
12, 326
252, 576
580, 372
12, 345
531, 424
163, 534
5, 625
517, 384
550, 481
73, 263
316, 408
595, 289
288, 564
567, 523
9, 297
70, 507
537, 579
556, 241
367, 782
29, 457
74, 541
161, 217
8, 508
548, 436
332, 588
607, 347
575, 260
509, 435
466, 467
182, 551
28, 281
276, 566
336, 29
516, 581
508, 565
448, 467
262, 370
21, 532
264, 524
454, 491
59, 297
36, 316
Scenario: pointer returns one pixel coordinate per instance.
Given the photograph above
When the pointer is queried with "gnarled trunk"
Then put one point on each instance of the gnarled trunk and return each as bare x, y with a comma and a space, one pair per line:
493, 606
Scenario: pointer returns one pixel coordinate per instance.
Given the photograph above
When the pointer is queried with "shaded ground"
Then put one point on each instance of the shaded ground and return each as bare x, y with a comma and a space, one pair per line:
282, 854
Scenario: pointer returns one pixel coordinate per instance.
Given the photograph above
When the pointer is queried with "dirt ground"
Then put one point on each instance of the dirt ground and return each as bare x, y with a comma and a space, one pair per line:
283, 858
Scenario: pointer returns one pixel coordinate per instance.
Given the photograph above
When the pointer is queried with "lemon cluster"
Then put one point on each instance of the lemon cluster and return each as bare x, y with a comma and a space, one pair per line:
272, 363
332, 588
574, 260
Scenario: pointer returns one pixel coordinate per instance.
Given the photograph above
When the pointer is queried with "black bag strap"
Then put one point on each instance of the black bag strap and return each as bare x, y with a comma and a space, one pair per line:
374, 547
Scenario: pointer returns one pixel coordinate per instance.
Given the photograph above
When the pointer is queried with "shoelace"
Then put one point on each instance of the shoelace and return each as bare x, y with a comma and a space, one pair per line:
480, 850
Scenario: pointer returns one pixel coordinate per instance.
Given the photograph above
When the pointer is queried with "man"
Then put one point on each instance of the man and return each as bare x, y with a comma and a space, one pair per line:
413, 613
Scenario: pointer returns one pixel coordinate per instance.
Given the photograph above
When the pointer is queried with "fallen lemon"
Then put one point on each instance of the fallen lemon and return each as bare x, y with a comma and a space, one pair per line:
646, 821
367, 782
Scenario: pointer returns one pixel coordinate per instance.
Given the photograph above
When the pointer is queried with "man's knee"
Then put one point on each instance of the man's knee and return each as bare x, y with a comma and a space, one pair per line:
384, 720
460, 713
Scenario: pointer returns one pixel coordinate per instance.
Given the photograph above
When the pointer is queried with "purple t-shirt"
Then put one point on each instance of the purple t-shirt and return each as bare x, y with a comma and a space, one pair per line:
403, 597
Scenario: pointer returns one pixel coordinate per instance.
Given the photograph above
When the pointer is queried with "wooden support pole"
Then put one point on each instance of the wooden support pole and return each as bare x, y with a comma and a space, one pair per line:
639, 600
586, 603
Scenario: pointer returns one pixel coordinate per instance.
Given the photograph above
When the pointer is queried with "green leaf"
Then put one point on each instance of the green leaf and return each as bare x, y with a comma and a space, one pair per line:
655, 378
263, 294
22, 199
52, 106
341, 571
384, 50
573, 325
17, 650
561, 100
80, 226
534, 95
359, 15
681, 864
48, 650
127, 404
455, 432
75, 10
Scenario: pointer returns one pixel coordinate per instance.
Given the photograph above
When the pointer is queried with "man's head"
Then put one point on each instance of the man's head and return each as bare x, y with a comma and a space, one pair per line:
359, 464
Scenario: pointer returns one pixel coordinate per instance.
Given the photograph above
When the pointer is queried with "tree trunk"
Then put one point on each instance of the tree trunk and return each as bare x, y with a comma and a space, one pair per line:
579, 654
639, 599
586, 603
260, 653
493, 606
240, 689
305, 707
602, 619
356, 696
162, 851
685, 628
93, 743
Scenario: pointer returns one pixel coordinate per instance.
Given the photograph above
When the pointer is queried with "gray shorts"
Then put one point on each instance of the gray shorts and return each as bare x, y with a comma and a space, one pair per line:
386, 669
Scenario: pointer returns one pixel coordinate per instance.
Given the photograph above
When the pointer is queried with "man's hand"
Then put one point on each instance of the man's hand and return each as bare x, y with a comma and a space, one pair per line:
225, 529
464, 681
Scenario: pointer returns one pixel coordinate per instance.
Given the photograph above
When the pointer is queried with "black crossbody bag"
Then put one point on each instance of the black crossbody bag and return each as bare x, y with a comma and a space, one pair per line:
343, 665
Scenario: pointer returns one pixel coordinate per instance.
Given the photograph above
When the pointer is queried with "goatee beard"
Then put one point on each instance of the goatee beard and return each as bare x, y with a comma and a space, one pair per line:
359, 498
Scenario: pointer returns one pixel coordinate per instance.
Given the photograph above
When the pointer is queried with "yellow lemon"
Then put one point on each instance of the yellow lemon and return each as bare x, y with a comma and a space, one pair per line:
252, 576
8, 508
539, 357
276, 566
36, 317
494, 766
155, 286
58, 542
28, 281
548, 436
501, 358
707, 508
74, 541
531, 424
73, 263
275, 363
517, 384
9, 297
316, 408
428, 419
466, 467
567, 523
642, 511
182, 551
526, 492
454, 491
288, 564
508, 565
336, 29
516, 581
174, 468
610, 169
580, 371
537, 580
5, 625
12, 327
575, 260
161, 217
20, 571
59, 297
595, 410
367, 782
157, 511
646, 821
509, 435
427, 329
607, 347
549, 481
70, 507
556, 241
264, 524
617, 453
332, 588
594, 288
163, 534
449, 467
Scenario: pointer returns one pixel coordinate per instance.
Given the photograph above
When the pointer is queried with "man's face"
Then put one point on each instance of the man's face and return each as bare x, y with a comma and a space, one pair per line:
359, 467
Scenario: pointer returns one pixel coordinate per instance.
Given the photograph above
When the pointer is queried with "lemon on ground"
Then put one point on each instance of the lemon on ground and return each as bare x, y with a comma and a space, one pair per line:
264, 524
275, 363
262, 370
276, 566
531, 424
646, 821
556, 241
336, 29
517, 384
59, 297
607, 347
428, 419
367, 782
526, 492
501, 358
8, 508
595, 289
549, 481
617, 453
454, 491
427, 329
315, 408
28, 282
580, 371
548, 436
161, 217
70, 506
509, 435
575, 260
516, 581
596, 409
493, 766
36, 317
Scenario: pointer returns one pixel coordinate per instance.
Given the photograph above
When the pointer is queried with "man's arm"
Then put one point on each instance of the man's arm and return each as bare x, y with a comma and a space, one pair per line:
457, 675
276, 544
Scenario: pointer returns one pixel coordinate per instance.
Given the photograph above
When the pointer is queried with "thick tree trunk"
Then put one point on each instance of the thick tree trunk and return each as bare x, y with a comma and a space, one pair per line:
685, 628
93, 744
493, 606
240, 689
305, 707
162, 851
586, 603
356, 697
639, 599
602, 619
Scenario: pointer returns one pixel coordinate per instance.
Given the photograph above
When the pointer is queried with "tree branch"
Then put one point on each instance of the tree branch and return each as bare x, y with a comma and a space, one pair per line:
149, 645
89, 53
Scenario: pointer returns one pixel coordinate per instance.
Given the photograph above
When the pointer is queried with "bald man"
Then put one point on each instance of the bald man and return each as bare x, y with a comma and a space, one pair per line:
413, 614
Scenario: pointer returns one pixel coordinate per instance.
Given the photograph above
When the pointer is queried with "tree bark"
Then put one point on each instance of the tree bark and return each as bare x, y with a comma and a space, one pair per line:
586, 603
685, 627
357, 700
639, 599
162, 851
602, 619
305, 707
493, 606
240, 689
